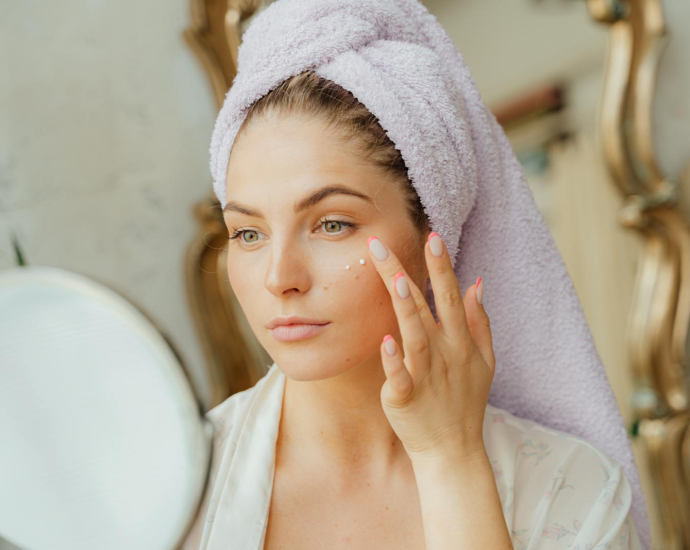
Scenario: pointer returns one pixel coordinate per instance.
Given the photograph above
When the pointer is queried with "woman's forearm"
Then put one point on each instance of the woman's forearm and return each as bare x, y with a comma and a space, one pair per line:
460, 504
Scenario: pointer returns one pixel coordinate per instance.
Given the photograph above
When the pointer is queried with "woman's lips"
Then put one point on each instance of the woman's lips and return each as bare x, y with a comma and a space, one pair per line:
289, 333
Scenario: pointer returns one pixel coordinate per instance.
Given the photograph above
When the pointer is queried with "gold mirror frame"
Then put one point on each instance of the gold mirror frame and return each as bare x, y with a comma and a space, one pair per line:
658, 323
235, 360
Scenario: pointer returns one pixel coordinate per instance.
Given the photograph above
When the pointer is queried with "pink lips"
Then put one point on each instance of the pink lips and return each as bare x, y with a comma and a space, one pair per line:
289, 333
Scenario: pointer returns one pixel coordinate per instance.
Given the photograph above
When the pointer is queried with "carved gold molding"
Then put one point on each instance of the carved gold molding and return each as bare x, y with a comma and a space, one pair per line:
658, 323
235, 360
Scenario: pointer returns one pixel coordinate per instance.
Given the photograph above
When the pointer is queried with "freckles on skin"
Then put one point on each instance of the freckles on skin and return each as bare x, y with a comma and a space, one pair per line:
359, 304
360, 310
367, 307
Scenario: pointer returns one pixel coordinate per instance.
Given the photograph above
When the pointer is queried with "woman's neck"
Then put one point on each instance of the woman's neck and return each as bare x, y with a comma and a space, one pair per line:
338, 423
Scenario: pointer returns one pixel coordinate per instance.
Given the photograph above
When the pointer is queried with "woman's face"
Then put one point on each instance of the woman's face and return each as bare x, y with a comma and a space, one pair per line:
291, 253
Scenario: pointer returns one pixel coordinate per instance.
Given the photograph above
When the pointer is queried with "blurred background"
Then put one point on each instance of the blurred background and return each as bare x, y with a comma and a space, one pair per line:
106, 114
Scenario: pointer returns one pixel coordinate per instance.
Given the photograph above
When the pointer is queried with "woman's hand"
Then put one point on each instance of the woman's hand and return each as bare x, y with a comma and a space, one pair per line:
437, 388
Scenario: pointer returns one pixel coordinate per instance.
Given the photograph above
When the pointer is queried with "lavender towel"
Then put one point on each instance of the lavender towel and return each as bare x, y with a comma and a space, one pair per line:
395, 57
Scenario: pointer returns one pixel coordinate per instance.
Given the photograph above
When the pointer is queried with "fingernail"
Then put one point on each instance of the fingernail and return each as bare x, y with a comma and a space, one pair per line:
436, 244
389, 344
401, 285
480, 290
377, 249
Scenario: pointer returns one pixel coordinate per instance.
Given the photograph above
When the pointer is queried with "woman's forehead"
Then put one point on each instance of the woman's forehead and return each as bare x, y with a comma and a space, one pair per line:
295, 162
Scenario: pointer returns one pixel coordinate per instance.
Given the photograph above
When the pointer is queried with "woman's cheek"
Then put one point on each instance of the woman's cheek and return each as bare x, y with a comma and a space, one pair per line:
368, 302
243, 282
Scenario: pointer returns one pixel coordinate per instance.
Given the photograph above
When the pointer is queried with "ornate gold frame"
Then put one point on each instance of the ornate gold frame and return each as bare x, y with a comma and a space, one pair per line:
658, 323
235, 359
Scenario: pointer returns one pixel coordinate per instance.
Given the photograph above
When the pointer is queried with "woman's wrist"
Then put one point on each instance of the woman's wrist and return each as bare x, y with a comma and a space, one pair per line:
450, 459
460, 502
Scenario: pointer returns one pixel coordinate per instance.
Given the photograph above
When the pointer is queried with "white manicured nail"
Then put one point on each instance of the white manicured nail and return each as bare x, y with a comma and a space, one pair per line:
436, 245
401, 285
377, 249
480, 290
389, 344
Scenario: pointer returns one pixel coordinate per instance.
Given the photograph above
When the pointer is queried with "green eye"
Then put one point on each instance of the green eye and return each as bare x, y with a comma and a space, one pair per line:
335, 224
241, 233
244, 233
331, 224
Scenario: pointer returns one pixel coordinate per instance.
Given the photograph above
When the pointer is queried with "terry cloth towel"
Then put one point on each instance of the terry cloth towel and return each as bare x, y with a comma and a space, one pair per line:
396, 59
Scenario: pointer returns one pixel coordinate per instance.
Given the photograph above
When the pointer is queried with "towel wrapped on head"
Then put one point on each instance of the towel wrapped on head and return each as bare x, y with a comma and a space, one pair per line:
397, 60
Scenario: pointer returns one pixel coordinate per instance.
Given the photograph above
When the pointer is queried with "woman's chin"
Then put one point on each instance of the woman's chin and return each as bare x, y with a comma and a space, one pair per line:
312, 366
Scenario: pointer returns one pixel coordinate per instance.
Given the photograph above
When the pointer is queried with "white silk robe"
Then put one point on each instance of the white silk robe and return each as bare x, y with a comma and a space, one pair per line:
557, 491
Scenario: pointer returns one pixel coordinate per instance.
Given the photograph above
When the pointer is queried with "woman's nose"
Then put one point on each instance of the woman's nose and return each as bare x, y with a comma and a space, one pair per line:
287, 271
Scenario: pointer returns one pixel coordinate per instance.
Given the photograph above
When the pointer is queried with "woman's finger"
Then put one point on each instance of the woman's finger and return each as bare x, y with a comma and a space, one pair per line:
399, 381
450, 308
406, 299
478, 322
388, 269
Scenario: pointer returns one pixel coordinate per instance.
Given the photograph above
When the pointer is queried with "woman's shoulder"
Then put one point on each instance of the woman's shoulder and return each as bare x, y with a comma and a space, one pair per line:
232, 409
540, 468
230, 415
557, 490
227, 419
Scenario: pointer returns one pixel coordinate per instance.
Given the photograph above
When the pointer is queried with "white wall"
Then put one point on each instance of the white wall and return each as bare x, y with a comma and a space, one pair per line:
513, 45
105, 122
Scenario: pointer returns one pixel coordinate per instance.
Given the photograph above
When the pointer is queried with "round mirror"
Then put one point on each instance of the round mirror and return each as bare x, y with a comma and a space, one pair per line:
104, 443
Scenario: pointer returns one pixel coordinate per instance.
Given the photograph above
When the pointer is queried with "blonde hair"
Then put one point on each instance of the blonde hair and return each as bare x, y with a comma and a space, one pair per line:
309, 94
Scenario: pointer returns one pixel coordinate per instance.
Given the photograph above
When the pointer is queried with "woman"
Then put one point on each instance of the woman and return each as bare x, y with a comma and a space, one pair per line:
372, 429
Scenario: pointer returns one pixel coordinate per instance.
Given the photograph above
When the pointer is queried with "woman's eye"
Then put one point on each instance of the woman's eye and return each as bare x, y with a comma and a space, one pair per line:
331, 224
250, 233
241, 232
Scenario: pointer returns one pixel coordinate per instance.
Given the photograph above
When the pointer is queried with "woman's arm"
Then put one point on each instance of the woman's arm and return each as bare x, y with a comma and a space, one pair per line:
460, 504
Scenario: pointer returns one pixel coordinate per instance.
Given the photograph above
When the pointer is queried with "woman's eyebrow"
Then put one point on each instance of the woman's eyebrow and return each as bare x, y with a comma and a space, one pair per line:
308, 202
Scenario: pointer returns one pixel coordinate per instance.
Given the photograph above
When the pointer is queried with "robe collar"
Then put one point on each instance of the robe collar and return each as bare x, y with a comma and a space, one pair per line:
246, 492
